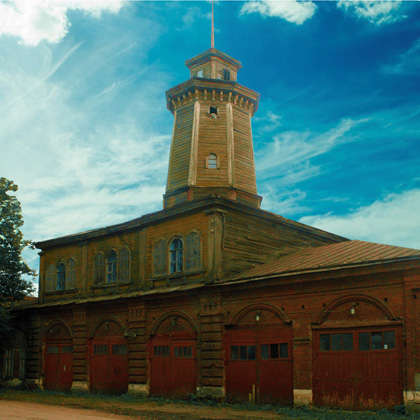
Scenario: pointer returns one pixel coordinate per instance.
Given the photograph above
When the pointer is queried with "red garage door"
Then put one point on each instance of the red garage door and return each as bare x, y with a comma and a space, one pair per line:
109, 362
58, 375
172, 359
58, 359
259, 361
358, 368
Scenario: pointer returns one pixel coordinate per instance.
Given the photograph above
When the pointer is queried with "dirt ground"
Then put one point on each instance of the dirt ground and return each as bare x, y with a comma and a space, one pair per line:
25, 410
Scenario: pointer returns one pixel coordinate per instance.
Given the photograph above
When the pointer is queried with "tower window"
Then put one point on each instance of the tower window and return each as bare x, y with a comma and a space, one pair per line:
176, 255
212, 162
226, 74
214, 111
200, 73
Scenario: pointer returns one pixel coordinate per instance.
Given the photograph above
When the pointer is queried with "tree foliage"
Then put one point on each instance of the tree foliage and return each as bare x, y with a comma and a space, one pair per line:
16, 278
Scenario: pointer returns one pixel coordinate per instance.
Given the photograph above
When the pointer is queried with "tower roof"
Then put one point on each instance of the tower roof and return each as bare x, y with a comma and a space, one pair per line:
212, 53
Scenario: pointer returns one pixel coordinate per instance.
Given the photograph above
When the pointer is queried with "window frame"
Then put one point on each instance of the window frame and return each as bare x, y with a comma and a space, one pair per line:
61, 277
50, 278
99, 269
214, 111
71, 275
120, 260
176, 256
112, 274
208, 161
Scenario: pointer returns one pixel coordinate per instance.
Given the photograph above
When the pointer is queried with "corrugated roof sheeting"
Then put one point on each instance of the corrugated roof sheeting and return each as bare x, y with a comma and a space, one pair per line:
328, 256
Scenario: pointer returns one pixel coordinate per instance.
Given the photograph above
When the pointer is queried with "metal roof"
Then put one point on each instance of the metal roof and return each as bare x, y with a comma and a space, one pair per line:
332, 256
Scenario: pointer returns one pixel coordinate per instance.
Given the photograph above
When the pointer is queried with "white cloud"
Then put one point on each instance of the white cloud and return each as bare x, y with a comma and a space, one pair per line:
375, 11
395, 220
291, 10
270, 121
34, 21
289, 153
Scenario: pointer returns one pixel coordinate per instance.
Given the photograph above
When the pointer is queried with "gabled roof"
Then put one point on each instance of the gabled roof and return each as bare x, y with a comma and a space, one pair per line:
328, 257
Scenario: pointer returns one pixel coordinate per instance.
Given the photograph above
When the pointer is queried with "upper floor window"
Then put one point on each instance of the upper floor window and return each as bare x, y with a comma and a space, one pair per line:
71, 274
226, 74
61, 276
124, 265
160, 258
112, 267
176, 256
212, 162
193, 252
50, 279
200, 73
99, 269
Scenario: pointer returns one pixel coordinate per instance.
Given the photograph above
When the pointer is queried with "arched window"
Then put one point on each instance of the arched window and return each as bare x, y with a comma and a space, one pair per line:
176, 256
124, 266
71, 274
99, 269
50, 283
193, 252
160, 258
112, 267
61, 276
212, 162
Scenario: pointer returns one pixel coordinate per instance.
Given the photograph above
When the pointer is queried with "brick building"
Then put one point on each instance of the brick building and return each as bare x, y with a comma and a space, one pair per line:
213, 295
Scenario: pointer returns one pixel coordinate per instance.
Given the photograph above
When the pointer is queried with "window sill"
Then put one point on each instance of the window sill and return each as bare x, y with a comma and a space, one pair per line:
60, 292
111, 285
175, 278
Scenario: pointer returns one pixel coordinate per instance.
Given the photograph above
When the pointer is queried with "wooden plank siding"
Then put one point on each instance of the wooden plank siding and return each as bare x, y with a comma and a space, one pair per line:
212, 139
181, 148
249, 241
243, 152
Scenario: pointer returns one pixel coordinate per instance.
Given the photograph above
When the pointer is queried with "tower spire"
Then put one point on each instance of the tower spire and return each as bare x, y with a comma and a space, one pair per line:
212, 24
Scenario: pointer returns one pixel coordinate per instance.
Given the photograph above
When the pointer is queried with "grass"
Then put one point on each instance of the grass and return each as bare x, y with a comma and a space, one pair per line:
146, 407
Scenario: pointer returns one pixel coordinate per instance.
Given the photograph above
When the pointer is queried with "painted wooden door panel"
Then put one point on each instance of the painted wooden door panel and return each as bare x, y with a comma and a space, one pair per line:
259, 361
361, 371
109, 366
58, 374
172, 366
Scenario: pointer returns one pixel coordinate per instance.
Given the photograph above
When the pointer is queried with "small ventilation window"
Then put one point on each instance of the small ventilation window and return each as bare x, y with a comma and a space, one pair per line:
214, 112
226, 74
212, 161
200, 73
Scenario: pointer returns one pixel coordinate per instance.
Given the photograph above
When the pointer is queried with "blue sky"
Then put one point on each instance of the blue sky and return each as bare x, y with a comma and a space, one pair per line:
85, 132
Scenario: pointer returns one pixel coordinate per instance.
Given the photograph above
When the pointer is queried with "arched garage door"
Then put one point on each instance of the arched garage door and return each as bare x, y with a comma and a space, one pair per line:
358, 368
58, 359
258, 359
109, 360
172, 359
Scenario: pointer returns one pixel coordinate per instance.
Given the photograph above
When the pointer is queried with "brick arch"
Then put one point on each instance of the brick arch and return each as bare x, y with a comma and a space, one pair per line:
355, 298
172, 314
57, 323
98, 325
256, 307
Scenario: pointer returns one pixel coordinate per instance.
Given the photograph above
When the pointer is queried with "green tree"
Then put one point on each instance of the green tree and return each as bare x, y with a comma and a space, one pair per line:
16, 278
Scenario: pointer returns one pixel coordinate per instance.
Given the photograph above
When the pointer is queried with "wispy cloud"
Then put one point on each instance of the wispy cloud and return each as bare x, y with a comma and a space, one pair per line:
375, 11
288, 154
408, 62
34, 21
298, 12
293, 11
394, 220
